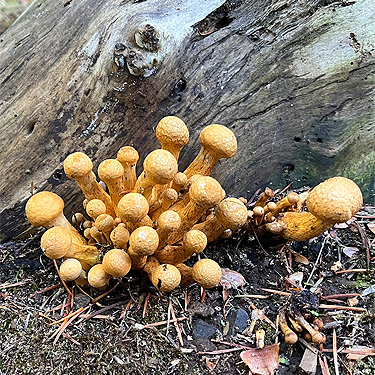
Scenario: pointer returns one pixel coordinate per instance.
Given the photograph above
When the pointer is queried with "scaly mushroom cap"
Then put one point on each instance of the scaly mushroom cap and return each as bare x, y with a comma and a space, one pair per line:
207, 273
110, 169
231, 213
195, 241
132, 207
172, 130
219, 140
335, 200
206, 192
97, 277
166, 277
120, 236
56, 242
116, 263
169, 221
95, 207
43, 207
160, 166
144, 241
104, 222
70, 269
77, 165
127, 155
180, 179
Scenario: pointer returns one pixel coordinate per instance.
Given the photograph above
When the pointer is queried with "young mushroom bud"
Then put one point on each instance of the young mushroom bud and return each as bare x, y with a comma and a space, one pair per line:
231, 214
316, 336
46, 209
144, 241
132, 208
172, 134
116, 262
167, 198
160, 167
204, 193
111, 172
179, 181
78, 166
120, 236
70, 270
267, 194
166, 277
207, 273
291, 199
77, 220
167, 223
95, 207
194, 242
128, 157
105, 224
217, 142
290, 336
56, 242
97, 277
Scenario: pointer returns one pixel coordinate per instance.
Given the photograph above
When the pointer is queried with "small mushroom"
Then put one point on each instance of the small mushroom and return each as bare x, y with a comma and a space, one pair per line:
120, 236
290, 200
167, 223
97, 277
207, 273
166, 277
70, 269
78, 166
128, 157
144, 241
95, 207
217, 142
105, 224
316, 336
290, 336
56, 242
172, 134
111, 172
116, 262
267, 194
179, 181
77, 220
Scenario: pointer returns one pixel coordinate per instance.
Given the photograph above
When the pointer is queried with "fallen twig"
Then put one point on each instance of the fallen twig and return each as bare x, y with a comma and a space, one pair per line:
223, 351
164, 322
11, 285
176, 324
45, 290
334, 346
276, 292
338, 307
353, 270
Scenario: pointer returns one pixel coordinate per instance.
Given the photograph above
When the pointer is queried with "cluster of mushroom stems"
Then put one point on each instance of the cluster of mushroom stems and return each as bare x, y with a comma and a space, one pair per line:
153, 222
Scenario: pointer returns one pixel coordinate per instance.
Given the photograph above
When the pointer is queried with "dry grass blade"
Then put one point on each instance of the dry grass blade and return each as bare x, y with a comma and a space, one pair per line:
223, 351
179, 334
335, 357
95, 300
45, 290
354, 270
66, 317
11, 285
145, 305
276, 292
126, 308
62, 281
338, 307
323, 367
164, 322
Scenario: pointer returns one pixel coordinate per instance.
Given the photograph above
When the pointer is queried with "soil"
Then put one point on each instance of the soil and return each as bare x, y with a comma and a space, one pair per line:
109, 337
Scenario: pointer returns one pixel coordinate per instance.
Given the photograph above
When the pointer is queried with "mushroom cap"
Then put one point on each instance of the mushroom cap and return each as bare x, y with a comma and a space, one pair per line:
195, 241
120, 236
258, 211
110, 169
219, 139
170, 195
56, 242
77, 165
144, 240
180, 179
335, 200
127, 155
206, 192
97, 277
116, 262
207, 273
172, 130
166, 277
231, 213
160, 166
95, 207
70, 269
169, 220
104, 222
132, 207
43, 207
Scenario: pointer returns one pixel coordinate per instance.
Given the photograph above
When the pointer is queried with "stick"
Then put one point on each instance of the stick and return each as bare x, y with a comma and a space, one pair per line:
338, 307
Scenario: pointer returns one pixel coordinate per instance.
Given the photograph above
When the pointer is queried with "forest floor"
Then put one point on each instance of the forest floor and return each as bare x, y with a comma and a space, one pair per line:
110, 334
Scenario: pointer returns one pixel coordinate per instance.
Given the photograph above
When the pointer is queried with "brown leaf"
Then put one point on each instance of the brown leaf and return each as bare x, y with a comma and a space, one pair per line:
262, 361
300, 258
211, 364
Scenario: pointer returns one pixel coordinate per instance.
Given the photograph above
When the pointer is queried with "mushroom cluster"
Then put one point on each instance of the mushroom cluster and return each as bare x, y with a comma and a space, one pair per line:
153, 222
335, 200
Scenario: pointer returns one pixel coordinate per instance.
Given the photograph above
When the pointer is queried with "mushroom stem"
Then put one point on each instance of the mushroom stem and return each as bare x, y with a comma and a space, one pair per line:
267, 194
186, 274
316, 336
290, 336
291, 199
84, 253
128, 157
105, 224
167, 198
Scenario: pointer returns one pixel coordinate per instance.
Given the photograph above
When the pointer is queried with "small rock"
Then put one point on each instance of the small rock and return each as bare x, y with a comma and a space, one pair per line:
203, 330
238, 321
201, 309
81, 300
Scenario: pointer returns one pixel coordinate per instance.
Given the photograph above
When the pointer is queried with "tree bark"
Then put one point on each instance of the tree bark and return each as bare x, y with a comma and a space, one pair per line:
293, 79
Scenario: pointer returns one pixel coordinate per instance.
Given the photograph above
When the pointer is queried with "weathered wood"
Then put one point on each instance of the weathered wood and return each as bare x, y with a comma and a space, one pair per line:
294, 80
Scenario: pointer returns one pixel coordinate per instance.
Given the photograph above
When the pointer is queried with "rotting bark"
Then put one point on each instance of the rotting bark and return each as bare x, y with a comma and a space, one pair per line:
294, 80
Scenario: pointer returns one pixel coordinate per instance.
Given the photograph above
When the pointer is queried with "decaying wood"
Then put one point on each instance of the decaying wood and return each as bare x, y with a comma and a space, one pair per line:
293, 80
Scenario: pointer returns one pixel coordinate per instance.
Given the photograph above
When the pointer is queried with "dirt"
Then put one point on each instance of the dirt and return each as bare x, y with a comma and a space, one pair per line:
114, 341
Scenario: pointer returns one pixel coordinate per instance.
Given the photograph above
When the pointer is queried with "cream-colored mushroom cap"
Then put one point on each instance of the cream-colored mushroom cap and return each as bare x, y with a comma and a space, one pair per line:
219, 140
97, 277
335, 200
70, 269
172, 130
206, 192
132, 207
104, 222
166, 277
144, 241
169, 220
110, 169
77, 165
95, 207
195, 241
231, 213
56, 242
43, 207
128, 155
207, 273
120, 236
116, 262
160, 166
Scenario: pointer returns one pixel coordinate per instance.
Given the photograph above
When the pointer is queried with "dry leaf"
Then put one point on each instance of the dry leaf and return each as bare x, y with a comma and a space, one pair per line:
352, 301
371, 226
359, 352
296, 278
262, 361
211, 364
300, 258
337, 266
